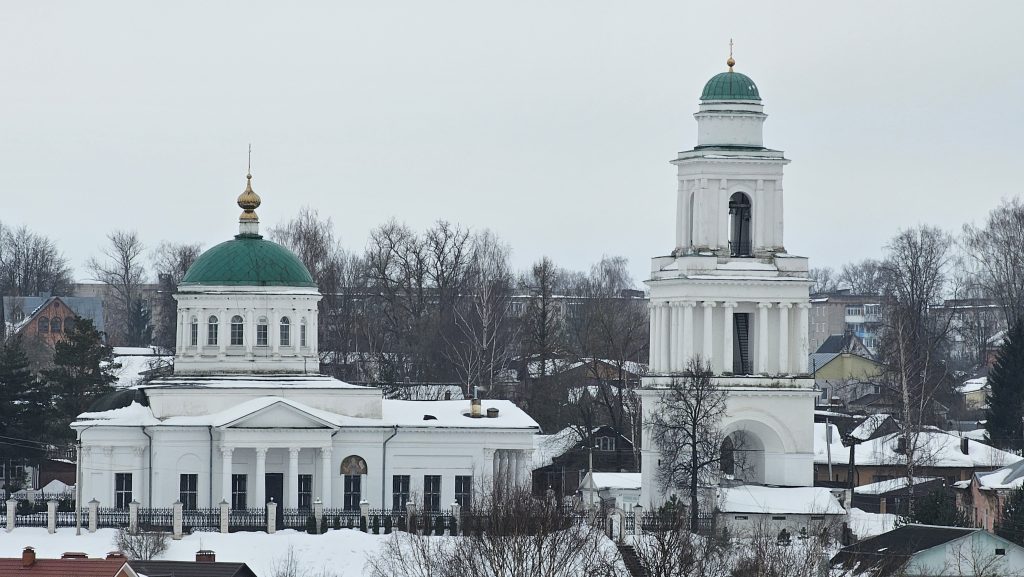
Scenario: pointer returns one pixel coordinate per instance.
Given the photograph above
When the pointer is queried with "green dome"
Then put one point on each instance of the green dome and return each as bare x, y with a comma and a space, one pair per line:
248, 261
730, 86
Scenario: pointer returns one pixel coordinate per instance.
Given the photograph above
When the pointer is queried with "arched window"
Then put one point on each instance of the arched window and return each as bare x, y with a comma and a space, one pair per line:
193, 332
739, 225
55, 325
237, 325
727, 462
211, 331
286, 332
261, 332
43, 325
302, 333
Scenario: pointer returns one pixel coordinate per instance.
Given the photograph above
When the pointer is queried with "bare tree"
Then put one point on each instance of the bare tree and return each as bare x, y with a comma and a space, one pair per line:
686, 429
123, 272
140, 545
915, 339
669, 549
823, 280
30, 264
997, 248
483, 346
170, 263
510, 534
863, 277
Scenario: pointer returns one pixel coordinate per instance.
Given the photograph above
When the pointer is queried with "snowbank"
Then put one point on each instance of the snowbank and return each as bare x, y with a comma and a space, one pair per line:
865, 524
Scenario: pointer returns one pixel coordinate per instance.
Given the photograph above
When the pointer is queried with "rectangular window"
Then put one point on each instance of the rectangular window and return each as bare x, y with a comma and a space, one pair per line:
353, 492
778, 518
464, 491
606, 443
431, 492
236, 332
302, 335
188, 490
261, 335
122, 490
1000, 551
194, 338
211, 333
286, 335
305, 491
399, 492
740, 517
239, 491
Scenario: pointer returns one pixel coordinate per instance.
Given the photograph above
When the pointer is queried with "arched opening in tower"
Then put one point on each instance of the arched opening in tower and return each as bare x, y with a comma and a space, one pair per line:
742, 457
739, 225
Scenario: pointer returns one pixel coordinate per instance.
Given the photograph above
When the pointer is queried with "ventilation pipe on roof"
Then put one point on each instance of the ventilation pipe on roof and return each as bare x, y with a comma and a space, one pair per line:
28, 557
492, 413
965, 445
206, 556
474, 409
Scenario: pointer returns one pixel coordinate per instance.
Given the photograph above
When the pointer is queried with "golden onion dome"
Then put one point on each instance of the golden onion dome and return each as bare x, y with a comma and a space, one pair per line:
249, 201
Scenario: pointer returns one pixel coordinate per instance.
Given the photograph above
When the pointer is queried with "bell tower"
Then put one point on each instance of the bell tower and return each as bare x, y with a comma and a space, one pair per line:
729, 294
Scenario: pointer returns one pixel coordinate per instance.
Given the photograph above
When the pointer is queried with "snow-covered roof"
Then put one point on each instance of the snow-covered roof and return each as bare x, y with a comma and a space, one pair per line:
252, 381
446, 414
616, 480
1011, 477
56, 487
937, 449
890, 485
973, 385
129, 368
779, 500
868, 426
555, 366
547, 447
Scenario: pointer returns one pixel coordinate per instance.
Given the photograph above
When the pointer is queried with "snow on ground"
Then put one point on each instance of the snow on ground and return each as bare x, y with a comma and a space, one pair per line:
342, 553
865, 524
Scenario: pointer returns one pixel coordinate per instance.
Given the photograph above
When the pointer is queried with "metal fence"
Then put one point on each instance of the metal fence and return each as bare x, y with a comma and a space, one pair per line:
196, 520
297, 519
112, 518
247, 520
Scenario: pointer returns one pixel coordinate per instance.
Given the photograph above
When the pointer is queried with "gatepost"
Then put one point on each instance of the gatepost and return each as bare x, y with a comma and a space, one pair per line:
176, 520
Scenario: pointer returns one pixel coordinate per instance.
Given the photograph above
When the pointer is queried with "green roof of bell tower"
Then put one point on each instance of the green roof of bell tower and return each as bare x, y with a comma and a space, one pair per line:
730, 86
248, 260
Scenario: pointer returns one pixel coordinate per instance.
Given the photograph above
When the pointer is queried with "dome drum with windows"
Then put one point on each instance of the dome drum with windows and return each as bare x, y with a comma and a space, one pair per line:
247, 305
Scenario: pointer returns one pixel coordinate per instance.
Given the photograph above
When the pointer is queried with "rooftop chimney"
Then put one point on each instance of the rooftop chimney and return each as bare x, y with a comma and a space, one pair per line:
28, 557
74, 555
206, 556
492, 413
475, 409
965, 445
116, 555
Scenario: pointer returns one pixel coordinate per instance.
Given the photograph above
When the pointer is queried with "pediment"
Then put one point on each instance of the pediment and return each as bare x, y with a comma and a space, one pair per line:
279, 415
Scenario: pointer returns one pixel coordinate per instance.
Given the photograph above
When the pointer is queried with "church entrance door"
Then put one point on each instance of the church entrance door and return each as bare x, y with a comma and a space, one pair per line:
275, 492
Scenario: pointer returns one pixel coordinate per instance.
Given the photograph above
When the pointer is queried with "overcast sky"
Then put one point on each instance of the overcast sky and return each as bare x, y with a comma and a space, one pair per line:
549, 122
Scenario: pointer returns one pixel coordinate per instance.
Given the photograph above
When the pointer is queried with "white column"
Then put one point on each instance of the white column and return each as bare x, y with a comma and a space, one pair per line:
491, 464
223, 331
665, 343
762, 337
802, 344
225, 473
784, 337
679, 338
201, 341
673, 338
687, 330
707, 353
326, 469
261, 478
652, 351
313, 337
139, 475
249, 331
722, 216
293, 478
179, 335
727, 309
274, 332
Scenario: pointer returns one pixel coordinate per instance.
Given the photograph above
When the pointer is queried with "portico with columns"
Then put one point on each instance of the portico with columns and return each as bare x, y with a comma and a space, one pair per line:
729, 294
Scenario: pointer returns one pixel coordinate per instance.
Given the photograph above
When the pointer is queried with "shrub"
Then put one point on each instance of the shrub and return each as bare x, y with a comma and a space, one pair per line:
387, 525
376, 524
337, 522
311, 525
323, 524
140, 545
427, 526
439, 525
362, 524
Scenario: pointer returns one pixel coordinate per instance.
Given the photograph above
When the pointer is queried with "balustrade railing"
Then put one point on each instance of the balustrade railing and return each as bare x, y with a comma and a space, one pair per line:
247, 520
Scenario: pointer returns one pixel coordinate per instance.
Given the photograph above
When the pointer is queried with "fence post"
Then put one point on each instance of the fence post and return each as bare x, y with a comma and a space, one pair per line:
364, 512
881, 505
408, 516
271, 517
318, 513
224, 516
94, 515
133, 516
457, 515
176, 520
51, 516
12, 512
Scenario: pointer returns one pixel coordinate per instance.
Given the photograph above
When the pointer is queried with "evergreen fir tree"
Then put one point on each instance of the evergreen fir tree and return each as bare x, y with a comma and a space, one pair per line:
21, 408
1006, 398
1011, 525
936, 508
80, 375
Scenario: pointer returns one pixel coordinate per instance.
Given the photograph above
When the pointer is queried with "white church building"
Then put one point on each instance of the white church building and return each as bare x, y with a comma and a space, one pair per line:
246, 417
731, 294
